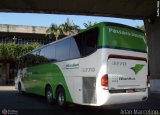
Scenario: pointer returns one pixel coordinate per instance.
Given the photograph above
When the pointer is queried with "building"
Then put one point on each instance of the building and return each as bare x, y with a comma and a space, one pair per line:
19, 35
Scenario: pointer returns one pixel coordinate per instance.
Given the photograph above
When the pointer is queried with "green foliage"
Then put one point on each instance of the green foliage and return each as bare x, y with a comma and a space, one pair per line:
89, 24
54, 31
141, 27
68, 28
12, 50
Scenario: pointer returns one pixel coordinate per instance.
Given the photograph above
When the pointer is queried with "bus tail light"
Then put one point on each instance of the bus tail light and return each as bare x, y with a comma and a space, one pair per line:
104, 80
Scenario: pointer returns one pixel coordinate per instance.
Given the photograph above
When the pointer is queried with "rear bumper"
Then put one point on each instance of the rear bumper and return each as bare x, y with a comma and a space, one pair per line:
119, 98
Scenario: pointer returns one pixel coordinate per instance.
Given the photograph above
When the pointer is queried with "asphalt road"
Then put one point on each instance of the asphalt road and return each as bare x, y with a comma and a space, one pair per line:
29, 104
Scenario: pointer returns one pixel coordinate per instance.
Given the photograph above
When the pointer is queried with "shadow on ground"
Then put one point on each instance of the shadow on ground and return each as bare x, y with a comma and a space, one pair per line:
30, 104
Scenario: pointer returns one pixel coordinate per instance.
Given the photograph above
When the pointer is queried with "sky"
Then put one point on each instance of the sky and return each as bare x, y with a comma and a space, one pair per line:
33, 19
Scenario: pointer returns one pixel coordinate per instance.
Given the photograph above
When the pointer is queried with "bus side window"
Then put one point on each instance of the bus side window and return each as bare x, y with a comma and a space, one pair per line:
74, 51
62, 50
79, 41
50, 53
37, 58
90, 41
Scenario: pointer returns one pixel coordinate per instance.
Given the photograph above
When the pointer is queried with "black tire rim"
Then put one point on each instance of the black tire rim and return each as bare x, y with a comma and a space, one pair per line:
61, 98
49, 95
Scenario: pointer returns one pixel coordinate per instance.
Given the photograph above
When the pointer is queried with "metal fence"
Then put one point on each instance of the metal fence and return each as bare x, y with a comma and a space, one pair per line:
42, 41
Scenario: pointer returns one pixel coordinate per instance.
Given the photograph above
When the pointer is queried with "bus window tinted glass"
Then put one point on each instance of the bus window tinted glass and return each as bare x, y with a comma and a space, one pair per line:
62, 50
87, 42
42, 57
74, 51
50, 53
91, 39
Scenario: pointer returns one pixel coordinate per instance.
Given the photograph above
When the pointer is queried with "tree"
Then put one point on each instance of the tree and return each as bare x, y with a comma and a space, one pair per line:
89, 24
68, 28
141, 27
12, 50
54, 31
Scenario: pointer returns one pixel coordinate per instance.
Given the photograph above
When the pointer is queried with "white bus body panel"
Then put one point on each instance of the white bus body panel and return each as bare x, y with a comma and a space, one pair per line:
97, 65
122, 75
88, 67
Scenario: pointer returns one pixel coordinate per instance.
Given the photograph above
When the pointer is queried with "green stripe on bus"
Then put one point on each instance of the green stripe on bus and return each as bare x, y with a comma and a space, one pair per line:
45, 74
123, 38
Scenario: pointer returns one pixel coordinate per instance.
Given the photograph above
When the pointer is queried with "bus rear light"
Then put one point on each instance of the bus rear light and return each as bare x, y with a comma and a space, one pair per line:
104, 80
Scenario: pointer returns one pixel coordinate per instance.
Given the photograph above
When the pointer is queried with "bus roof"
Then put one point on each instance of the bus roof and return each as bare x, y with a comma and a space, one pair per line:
99, 25
122, 25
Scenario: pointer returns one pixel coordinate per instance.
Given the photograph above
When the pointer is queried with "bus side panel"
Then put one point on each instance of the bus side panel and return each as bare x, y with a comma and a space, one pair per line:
80, 76
36, 78
60, 80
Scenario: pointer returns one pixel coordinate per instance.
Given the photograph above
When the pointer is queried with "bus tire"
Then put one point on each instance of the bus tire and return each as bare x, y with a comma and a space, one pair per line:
20, 89
49, 95
61, 97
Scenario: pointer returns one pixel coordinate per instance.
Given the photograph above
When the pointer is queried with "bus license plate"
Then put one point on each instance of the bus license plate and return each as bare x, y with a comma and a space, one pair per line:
129, 91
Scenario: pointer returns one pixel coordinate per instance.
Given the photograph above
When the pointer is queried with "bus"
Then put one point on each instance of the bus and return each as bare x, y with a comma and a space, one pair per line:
105, 64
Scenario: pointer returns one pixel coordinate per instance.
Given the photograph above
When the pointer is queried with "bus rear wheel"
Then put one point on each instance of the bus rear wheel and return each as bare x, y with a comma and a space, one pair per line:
49, 95
61, 97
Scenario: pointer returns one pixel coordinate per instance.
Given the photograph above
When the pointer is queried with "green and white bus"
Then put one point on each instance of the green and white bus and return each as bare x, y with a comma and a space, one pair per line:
103, 65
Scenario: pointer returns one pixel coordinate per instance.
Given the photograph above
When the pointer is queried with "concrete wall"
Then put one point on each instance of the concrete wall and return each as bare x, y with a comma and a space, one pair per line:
153, 38
22, 29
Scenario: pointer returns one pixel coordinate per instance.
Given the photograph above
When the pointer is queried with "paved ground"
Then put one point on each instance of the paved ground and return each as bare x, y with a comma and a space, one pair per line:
36, 105
7, 88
